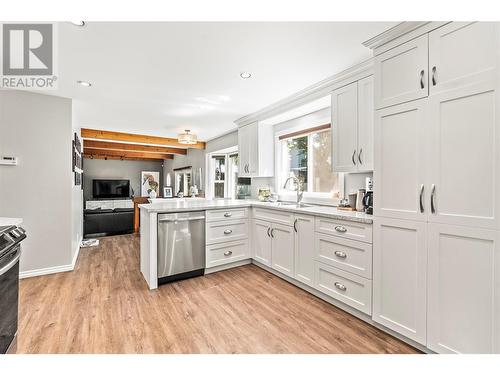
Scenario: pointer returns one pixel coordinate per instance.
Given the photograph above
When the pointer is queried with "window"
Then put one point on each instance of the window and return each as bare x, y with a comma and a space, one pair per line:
307, 156
223, 175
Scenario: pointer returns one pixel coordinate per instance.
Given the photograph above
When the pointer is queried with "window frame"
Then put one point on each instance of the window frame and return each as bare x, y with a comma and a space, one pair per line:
308, 197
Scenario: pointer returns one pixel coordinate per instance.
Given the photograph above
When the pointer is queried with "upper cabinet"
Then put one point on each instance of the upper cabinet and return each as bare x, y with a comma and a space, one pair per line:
462, 53
352, 127
401, 73
256, 150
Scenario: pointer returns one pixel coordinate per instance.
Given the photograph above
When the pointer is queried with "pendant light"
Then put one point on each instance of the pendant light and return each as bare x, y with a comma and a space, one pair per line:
187, 138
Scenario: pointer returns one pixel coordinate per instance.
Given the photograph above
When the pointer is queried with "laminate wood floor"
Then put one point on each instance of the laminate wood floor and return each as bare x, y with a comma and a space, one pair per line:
104, 306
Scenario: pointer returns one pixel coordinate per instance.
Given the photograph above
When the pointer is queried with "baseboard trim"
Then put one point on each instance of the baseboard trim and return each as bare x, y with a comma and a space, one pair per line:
52, 270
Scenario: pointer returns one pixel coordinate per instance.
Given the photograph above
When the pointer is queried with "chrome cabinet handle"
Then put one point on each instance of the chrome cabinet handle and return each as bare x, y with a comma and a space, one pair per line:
433, 197
422, 84
268, 229
353, 157
359, 155
340, 228
227, 253
295, 225
340, 254
228, 231
227, 214
340, 286
272, 233
434, 76
421, 199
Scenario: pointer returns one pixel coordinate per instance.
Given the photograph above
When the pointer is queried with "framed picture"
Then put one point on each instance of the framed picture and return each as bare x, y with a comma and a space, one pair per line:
150, 181
168, 192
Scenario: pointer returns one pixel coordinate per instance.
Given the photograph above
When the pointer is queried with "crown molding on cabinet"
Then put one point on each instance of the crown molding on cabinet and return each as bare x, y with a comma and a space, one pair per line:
403, 32
310, 93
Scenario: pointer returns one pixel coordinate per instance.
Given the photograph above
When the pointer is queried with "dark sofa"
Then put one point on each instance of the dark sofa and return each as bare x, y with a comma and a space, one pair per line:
99, 222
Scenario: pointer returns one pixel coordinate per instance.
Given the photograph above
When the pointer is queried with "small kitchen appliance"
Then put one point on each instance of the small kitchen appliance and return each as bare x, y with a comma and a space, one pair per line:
359, 200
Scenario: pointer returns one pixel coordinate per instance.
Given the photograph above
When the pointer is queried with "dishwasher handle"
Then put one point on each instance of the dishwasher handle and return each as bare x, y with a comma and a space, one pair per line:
181, 219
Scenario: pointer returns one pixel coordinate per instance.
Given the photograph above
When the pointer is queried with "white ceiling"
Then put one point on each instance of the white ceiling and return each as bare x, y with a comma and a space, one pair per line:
161, 78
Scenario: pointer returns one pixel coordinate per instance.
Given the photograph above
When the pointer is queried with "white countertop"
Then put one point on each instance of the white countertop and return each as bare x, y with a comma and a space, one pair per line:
209, 204
4, 221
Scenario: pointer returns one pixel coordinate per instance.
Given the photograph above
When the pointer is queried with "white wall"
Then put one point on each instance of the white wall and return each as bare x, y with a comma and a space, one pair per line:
38, 130
222, 142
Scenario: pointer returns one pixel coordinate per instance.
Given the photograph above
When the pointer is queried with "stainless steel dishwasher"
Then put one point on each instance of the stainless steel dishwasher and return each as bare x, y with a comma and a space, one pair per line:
181, 245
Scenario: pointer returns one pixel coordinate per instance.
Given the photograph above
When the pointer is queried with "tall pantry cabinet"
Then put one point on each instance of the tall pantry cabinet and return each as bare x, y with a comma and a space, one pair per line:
436, 247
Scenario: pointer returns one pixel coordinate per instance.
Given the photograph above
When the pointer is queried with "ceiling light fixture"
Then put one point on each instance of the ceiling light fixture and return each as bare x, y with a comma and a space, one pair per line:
245, 75
78, 23
84, 83
187, 138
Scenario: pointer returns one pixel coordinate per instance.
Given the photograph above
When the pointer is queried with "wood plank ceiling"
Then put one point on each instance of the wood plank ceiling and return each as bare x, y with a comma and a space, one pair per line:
102, 144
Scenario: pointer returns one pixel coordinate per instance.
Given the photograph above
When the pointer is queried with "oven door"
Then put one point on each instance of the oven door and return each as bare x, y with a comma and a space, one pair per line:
9, 297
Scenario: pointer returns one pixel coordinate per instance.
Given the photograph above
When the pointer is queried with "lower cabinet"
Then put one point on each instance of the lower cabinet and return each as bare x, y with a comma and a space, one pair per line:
282, 249
399, 276
304, 249
225, 253
463, 290
261, 241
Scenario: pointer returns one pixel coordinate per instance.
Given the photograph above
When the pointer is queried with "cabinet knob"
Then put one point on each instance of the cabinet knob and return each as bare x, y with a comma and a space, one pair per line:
340, 286
340, 254
227, 214
228, 231
341, 229
227, 253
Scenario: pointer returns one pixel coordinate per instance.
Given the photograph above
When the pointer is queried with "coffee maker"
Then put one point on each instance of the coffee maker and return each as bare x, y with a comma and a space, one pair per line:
368, 198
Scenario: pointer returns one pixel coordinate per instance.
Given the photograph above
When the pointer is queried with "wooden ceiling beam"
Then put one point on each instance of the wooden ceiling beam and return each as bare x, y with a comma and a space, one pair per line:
103, 145
136, 138
126, 154
103, 157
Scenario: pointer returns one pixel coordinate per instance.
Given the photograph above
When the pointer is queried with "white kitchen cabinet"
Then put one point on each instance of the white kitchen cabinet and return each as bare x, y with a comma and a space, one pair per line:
464, 156
401, 73
282, 253
463, 290
399, 276
344, 128
261, 241
256, 150
365, 124
304, 249
462, 53
400, 175
352, 127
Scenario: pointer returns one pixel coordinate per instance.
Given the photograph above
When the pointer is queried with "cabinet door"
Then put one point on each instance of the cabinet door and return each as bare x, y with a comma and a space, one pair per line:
345, 128
463, 290
400, 161
243, 151
365, 124
282, 249
399, 276
304, 249
464, 157
261, 241
462, 53
252, 141
401, 73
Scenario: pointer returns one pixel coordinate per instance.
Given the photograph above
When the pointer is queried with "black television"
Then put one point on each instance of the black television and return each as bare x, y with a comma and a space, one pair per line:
110, 189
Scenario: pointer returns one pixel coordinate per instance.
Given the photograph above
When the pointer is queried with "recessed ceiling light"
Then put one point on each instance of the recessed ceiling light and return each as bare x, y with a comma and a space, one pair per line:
84, 83
245, 75
78, 23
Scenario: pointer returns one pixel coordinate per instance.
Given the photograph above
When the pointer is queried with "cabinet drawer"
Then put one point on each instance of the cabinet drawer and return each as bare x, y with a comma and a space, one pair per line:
230, 214
346, 229
222, 231
350, 289
274, 216
348, 255
227, 252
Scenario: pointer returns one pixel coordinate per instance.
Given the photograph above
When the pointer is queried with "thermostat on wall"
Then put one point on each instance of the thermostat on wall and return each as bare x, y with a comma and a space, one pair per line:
8, 160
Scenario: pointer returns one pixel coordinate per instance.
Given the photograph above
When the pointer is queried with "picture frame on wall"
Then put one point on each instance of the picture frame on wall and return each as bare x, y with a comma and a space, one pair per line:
150, 181
168, 192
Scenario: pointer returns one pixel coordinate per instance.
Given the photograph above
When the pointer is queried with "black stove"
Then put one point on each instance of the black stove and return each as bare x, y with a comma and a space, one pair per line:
10, 252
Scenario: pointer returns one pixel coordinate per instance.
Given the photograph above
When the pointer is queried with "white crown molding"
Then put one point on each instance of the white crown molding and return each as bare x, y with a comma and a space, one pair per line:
393, 33
310, 93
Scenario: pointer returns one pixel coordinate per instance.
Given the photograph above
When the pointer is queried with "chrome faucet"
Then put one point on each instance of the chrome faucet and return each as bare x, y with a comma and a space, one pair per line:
300, 192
